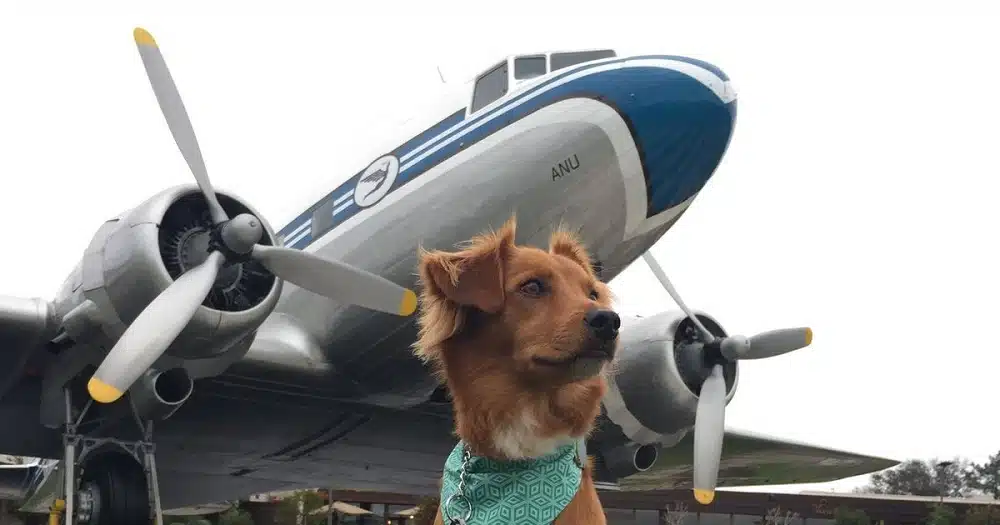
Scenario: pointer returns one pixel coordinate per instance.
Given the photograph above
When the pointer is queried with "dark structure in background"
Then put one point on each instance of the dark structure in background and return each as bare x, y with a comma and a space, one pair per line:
729, 508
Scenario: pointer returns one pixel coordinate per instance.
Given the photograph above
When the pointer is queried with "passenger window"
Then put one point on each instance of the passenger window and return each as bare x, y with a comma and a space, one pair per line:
529, 67
561, 60
490, 87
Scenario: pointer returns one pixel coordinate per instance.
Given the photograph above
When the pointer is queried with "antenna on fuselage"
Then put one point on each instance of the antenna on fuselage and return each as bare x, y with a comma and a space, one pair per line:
441, 75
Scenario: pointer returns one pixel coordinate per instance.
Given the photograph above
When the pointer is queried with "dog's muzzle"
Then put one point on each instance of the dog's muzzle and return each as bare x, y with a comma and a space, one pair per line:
602, 331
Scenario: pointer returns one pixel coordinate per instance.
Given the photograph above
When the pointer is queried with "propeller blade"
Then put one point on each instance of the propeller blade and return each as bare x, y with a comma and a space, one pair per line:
336, 280
662, 277
709, 428
153, 330
177, 117
777, 342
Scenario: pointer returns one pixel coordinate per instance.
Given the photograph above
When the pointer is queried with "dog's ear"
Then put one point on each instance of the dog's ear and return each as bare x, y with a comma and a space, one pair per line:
474, 276
567, 244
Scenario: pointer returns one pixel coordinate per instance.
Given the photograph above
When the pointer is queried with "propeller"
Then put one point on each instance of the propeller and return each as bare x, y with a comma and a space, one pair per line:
233, 240
709, 421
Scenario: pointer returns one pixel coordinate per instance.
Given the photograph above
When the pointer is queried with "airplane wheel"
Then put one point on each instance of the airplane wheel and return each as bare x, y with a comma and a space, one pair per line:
113, 492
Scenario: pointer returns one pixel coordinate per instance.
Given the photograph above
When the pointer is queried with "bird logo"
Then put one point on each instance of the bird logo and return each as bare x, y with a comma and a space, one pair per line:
376, 181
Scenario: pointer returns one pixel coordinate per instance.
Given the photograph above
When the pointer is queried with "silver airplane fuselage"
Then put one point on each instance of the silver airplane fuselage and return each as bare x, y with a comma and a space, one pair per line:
615, 149
329, 394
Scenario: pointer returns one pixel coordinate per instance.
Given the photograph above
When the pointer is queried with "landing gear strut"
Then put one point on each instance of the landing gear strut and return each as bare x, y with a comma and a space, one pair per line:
117, 485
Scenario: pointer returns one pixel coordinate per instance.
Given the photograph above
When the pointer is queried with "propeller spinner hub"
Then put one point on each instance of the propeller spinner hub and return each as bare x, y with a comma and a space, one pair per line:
241, 233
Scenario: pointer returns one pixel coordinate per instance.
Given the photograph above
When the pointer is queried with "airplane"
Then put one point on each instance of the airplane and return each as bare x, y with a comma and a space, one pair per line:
197, 355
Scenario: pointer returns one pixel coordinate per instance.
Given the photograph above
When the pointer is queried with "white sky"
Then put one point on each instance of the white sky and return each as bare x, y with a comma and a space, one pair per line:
857, 197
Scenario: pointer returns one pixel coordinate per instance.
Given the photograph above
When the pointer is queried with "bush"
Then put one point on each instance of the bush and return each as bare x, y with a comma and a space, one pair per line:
941, 515
235, 516
847, 516
427, 511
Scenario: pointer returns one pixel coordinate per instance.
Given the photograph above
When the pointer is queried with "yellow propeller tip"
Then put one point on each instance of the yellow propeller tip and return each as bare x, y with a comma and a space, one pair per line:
103, 392
809, 336
408, 304
704, 496
143, 38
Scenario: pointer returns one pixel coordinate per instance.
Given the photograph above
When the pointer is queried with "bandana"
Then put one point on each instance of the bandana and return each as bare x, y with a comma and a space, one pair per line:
525, 492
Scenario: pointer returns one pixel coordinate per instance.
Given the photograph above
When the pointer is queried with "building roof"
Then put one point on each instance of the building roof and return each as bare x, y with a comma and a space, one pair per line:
971, 500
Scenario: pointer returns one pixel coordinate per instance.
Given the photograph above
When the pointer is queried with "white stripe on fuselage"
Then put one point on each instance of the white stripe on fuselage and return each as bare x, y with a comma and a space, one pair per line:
706, 77
300, 233
489, 109
636, 221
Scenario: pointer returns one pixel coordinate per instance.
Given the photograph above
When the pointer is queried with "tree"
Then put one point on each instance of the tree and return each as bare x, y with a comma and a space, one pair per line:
296, 509
923, 478
985, 477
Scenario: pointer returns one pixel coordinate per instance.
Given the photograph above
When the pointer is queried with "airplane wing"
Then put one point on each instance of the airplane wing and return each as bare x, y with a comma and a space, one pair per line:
23, 325
750, 458
15, 478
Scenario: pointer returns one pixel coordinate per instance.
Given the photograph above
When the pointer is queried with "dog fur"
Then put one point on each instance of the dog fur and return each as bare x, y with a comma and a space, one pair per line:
522, 377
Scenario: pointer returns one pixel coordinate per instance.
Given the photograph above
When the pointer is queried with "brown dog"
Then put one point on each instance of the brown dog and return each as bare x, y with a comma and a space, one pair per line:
521, 336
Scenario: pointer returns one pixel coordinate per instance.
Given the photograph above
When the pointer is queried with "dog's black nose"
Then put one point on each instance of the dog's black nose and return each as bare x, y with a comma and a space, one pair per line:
603, 323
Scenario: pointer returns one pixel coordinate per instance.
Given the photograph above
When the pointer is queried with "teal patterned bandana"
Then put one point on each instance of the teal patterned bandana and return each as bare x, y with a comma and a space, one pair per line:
521, 492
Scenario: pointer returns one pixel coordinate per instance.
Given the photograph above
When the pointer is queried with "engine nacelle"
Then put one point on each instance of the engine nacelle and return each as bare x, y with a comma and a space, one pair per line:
133, 258
653, 387
158, 394
624, 460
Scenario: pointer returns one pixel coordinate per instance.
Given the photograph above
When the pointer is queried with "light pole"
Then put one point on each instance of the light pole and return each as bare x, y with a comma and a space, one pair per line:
942, 468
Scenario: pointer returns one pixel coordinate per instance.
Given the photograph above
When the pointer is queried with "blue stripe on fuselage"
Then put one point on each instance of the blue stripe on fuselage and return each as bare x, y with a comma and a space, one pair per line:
430, 133
681, 129
442, 130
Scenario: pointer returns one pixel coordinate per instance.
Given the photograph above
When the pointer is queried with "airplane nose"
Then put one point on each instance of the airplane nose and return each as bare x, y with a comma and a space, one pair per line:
682, 115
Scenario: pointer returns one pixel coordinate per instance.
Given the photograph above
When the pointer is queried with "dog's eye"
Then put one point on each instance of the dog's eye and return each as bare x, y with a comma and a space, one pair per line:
594, 295
533, 287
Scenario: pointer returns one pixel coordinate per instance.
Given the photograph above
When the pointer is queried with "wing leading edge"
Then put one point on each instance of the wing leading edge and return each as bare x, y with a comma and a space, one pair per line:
750, 458
24, 324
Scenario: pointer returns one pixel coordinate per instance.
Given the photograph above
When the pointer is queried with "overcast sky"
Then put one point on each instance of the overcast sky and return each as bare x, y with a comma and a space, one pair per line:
858, 196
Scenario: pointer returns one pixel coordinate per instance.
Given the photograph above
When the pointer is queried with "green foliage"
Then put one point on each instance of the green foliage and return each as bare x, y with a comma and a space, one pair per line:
427, 511
923, 478
941, 515
849, 516
306, 501
955, 478
235, 516
985, 477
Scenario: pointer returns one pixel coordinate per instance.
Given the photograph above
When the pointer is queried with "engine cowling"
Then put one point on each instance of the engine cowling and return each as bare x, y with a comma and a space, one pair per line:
132, 258
653, 387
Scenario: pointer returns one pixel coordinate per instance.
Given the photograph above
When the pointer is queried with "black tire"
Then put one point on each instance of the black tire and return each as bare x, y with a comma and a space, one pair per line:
120, 482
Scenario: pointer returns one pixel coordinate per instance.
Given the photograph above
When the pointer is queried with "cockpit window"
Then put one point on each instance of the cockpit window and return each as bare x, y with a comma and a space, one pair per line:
529, 67
561, 60
490, 87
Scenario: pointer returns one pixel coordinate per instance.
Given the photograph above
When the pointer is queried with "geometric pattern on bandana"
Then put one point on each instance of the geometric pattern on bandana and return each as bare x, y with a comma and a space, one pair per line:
516, 492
